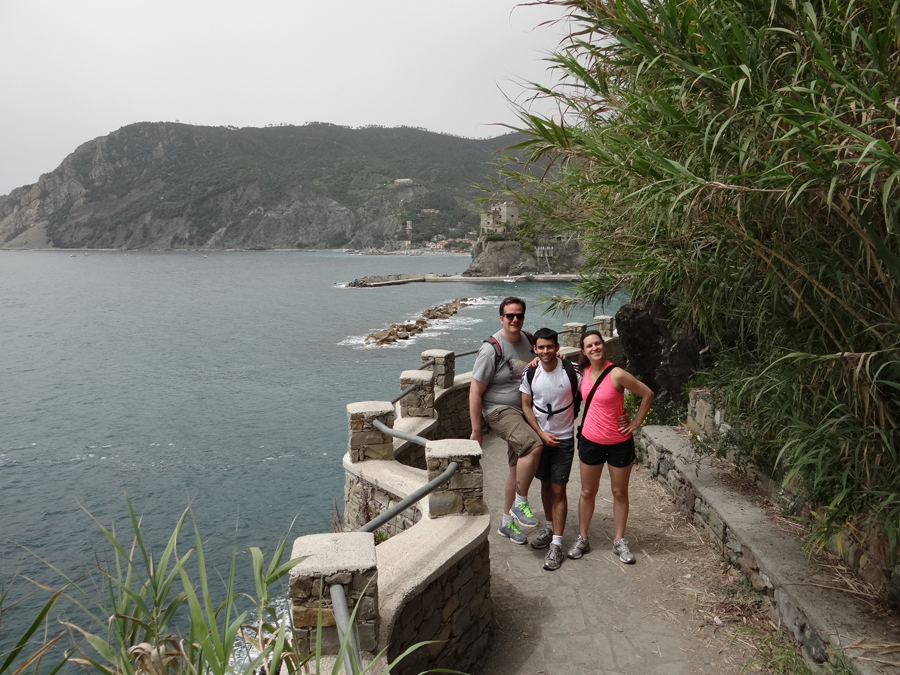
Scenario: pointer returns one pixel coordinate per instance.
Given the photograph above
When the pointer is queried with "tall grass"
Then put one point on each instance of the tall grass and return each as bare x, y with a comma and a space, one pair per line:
740, 161
160, 615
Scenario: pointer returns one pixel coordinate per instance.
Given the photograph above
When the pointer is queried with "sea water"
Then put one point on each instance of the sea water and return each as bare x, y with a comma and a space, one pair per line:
216, 380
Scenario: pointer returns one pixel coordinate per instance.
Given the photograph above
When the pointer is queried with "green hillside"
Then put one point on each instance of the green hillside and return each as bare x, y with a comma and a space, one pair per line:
185, 185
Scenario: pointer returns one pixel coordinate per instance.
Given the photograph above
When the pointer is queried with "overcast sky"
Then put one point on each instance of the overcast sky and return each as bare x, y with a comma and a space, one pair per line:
75, 70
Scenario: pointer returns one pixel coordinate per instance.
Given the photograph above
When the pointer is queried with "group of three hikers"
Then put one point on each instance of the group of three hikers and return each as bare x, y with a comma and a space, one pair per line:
532, 404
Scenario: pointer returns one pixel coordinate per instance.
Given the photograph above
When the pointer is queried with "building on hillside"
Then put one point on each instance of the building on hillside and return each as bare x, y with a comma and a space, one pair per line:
502, 217
430, 211
402, 181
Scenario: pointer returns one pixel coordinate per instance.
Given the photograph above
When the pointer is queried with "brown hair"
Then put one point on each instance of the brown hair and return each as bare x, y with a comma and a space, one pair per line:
584, 361
511, 300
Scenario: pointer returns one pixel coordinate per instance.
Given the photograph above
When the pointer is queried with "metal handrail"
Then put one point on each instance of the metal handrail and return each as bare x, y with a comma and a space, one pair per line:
390, 431
342, 623
403, 393
426, 364
413, 497
338, 597
417, 494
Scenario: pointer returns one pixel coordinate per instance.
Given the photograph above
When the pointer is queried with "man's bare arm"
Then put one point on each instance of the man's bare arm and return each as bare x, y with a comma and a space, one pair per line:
476, 391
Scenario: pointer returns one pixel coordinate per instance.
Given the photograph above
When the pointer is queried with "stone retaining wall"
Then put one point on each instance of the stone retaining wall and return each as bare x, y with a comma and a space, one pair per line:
364, 501
866, 553
823, 618
454, 611
452, 409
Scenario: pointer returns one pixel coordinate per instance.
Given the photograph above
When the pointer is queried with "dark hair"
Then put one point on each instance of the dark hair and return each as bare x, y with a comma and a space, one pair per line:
584, 361
546, 334
511, 300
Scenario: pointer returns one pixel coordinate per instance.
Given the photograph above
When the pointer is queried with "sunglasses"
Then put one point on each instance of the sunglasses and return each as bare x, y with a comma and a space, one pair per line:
510, 316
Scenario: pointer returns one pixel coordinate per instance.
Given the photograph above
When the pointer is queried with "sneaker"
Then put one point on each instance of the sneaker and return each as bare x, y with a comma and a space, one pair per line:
621, 549
579, 548
554, 558
512, 532
523, 515
543, 539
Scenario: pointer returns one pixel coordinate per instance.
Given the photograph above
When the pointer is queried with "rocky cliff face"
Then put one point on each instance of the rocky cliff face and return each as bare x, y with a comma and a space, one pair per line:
499, 258
161, 185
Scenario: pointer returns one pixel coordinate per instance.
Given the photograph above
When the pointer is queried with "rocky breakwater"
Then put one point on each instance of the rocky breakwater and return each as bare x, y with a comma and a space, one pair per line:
403, 331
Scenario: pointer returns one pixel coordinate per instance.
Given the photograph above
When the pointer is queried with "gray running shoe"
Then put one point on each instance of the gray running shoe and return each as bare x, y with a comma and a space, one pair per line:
621, 549
523, 515
554, 558
543, 539
579, 548
512, 533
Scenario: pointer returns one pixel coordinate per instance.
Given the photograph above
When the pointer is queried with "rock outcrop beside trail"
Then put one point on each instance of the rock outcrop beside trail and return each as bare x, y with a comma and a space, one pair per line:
403, 331
665, 360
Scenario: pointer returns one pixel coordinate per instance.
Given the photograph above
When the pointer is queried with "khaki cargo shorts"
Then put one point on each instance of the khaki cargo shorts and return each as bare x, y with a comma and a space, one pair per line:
510, 425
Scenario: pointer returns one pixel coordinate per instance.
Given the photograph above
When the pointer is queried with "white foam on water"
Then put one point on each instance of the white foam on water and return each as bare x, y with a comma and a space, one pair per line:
354, 341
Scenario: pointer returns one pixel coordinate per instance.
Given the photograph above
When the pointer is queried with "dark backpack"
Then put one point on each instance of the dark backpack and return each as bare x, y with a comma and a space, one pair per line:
498, 351
569, 367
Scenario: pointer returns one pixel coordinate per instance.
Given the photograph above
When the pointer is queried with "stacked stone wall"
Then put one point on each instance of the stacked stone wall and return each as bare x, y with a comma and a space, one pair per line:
452, 408
364, 501
454, 611
865, 552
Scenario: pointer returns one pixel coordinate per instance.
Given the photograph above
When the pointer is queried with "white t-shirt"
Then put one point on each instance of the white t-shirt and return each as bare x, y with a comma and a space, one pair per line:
552, 389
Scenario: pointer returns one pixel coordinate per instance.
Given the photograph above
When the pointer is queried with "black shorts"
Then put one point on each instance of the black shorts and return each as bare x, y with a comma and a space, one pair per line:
555, 463
618, 455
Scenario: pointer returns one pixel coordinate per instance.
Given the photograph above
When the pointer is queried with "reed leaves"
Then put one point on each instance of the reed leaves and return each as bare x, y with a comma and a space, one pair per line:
740, 160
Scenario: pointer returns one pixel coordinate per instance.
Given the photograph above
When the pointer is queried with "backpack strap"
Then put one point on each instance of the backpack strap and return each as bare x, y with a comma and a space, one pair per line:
569, 367
587, 404
498, 350
573, 380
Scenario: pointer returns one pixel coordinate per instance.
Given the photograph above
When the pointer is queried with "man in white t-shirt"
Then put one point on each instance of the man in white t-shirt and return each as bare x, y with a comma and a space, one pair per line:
549, 401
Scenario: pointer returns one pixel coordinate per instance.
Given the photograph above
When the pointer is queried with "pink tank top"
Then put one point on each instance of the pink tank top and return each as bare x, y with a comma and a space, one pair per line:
599, 424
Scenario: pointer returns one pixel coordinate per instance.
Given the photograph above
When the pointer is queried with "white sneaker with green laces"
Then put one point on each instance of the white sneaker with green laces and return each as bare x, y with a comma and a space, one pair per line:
512, 533
523, 515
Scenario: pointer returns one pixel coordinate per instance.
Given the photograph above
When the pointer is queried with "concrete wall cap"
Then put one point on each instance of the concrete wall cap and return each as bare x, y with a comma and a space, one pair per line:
334, 552
453, 447
573, 324
388, 475
370, 408
436, 353
423, 376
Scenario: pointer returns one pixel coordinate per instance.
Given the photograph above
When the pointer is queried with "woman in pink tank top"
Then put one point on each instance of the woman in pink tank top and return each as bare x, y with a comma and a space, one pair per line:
606, 437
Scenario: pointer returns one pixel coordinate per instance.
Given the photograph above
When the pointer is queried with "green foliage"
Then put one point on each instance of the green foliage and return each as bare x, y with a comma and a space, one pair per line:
12, 662
457, 215
740, 161
217, 176
667, 413
136, 624
776, 654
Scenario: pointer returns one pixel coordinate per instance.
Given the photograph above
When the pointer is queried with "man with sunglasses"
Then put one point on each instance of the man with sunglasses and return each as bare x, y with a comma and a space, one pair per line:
494, 393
